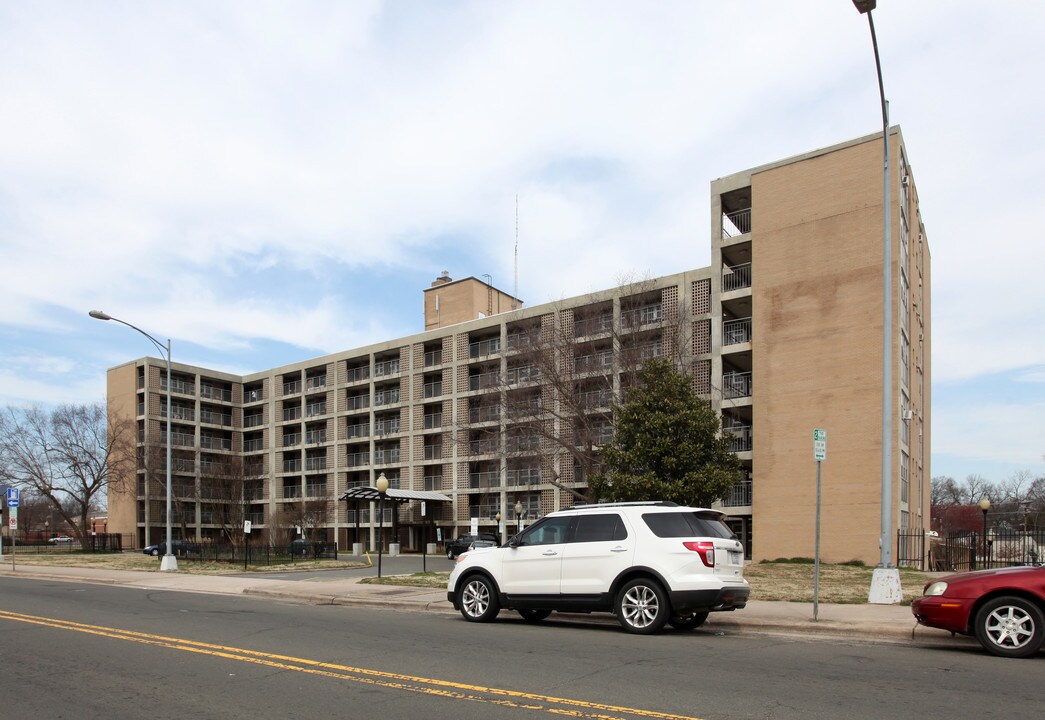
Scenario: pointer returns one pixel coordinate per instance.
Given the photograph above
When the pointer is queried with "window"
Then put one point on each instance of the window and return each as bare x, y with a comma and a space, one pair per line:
686, 524
549, 532
599, 528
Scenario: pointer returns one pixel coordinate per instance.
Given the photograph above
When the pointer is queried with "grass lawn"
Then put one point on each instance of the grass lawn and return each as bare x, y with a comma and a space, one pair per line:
786, 581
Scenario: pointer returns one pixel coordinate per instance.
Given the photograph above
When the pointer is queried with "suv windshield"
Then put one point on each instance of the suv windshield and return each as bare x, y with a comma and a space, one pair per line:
687, 524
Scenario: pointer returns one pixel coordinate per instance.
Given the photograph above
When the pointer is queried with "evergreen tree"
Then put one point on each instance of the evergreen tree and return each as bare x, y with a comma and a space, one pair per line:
666, 444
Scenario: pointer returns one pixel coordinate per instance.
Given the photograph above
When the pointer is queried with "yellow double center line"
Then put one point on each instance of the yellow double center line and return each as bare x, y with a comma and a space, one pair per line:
395, 681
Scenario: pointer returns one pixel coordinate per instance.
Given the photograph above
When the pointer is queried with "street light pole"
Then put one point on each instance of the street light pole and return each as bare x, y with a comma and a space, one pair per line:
518, 516
885, 581
169, 561
382, 488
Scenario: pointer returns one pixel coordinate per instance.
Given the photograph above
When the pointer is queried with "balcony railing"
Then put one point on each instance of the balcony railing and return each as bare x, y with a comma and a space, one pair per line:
177, 412
292, 465
385, 457
386, 397
291, 439
386, 367
595, 399
484, 479
387, 427
215, 418
484, 347
641, 316
291, 413
433, 420
359, 459
433, 389
741, 440
251, 396
739, 495
215, 393
313, 464
290, 388
524, 476
736, 331
253, 420
183, 439
520, 341
522, 374
736, 385
433, 452
313, 437
315, 489
253, 445
485, 413
291, 491
215, 443
317, 382
736, 223
178, 386
522, 444
483, 447
483, 380
316, 409
359, 430
597, 361
737, 277
357, 374
433, 357
593, 325
358, 402
433, 482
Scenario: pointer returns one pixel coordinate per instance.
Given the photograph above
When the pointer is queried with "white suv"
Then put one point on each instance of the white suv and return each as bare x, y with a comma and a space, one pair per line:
649, 563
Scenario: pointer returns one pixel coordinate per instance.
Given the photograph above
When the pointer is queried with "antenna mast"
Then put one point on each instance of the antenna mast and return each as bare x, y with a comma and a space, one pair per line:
515, 290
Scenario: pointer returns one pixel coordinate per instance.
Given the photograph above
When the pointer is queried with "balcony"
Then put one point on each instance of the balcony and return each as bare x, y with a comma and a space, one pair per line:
478, 480
485, 413
648, 315
315, 490
359, 430
215, 443
386, 397
178, 386
433, 420
524, 476
215, 393
292, 388
514, 376
252, 396
595, 399
484, 347
735, 332
482, 381
315, 464
519, 341
183, 439
597, 325
215, 418
485, 446
598, 361
291, 491
358, 402
359, 459
387, 456
741, 440
291, 413
737, 277
358, 374
253, 445
177, 412
253, 420
739, 495
316, 409
736, 385
386, 368
292, 465
433, 452
314, 437
433, 357
433, 389
386, 427
317, 382
291, 439
736, 223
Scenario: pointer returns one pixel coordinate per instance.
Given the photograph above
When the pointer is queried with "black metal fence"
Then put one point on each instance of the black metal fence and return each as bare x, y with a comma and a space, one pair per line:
259, 554
98, 543
959, 552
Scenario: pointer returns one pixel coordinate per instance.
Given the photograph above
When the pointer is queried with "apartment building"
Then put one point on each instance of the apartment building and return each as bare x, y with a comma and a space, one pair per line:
493, 413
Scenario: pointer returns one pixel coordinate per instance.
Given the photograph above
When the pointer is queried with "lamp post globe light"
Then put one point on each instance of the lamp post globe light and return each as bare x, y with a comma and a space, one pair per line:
382, 488
885, 581
518, 515
169, 562
985, 506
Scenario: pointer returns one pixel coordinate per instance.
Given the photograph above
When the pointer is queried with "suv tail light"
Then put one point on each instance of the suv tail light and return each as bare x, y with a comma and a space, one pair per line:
705, 549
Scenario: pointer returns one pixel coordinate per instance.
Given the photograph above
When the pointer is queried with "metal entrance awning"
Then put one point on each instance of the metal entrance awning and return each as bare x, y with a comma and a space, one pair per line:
402, 496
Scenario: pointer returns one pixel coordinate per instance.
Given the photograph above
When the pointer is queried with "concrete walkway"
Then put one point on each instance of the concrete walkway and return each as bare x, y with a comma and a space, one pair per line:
866, 623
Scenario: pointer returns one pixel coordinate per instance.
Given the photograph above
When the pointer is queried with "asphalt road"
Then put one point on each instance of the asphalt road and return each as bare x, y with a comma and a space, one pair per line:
78, 650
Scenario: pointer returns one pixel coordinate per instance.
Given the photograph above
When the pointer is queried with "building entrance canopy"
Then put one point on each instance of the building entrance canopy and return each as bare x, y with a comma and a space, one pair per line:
400, 496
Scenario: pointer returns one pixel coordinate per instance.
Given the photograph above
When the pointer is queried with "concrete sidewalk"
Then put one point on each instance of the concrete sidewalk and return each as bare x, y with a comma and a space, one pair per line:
866, 623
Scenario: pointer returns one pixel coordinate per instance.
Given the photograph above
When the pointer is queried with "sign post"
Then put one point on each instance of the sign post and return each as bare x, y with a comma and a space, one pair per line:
819, 454
424, 547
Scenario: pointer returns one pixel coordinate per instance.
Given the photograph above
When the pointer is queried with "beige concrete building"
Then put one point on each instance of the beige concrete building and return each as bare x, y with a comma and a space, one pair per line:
496, 407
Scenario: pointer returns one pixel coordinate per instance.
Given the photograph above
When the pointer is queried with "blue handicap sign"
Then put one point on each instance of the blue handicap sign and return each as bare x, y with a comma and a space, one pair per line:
12, 497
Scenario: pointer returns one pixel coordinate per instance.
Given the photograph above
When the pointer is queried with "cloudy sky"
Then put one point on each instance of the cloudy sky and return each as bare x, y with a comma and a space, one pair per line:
265, 182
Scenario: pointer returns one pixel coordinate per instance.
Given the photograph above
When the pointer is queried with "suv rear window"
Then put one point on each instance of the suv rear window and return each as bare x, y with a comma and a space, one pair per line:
686, 524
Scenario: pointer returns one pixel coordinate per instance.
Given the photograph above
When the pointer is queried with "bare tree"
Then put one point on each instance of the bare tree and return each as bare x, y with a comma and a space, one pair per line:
226, 491
550, 409
307, 515
66, 456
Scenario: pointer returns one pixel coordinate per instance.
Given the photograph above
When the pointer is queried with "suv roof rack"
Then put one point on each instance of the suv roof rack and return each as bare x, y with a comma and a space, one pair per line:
633, 503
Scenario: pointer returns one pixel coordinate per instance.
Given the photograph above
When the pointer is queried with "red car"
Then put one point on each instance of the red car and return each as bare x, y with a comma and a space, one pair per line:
1004, 609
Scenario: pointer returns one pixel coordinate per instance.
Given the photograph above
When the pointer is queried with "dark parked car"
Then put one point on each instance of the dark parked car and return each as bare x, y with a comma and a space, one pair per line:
1004, 609
178, 547
464, 542
304, 548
